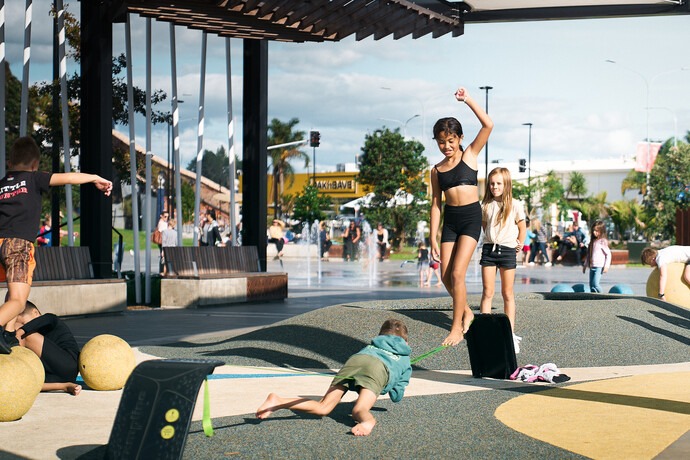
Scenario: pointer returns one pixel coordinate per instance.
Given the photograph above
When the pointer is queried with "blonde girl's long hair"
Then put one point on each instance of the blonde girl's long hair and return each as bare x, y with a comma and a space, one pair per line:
506, 198
600, 227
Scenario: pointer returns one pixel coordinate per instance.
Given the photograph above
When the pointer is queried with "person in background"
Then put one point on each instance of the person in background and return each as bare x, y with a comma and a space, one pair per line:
381, 240
275, 232
169, 236
598, 256
540, 241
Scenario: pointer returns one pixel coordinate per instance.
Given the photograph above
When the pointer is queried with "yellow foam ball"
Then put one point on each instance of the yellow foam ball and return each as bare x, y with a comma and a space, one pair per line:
677, 290
105, 362
17, 388
32, 359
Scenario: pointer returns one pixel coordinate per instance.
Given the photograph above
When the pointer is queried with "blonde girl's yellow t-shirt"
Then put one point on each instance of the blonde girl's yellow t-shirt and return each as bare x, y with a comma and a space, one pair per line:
498, 232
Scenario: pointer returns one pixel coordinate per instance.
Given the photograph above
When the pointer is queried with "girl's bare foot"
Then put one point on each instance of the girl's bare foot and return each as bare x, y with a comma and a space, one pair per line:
427, 284
467, 319
267, 408
363, 428
73, 388
438, 284
454, 338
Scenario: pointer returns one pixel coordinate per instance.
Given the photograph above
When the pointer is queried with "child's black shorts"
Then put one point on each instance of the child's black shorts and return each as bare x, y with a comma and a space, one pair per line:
60, 365
498, 256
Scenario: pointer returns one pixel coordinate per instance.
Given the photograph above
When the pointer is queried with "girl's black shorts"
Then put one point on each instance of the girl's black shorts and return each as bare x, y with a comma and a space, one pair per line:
461, 220
498, 256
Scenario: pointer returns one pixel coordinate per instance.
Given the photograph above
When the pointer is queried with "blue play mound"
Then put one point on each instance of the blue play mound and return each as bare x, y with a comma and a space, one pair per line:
562, 287
579, 288
621, 289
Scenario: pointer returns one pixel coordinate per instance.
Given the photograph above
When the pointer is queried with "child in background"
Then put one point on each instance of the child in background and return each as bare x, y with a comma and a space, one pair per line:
53, 342
503, 220
539, 243
381, 367
598, 257
527, 245
423, 264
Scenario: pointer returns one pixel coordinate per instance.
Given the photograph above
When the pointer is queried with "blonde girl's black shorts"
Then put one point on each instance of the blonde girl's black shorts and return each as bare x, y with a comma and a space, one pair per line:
494, 255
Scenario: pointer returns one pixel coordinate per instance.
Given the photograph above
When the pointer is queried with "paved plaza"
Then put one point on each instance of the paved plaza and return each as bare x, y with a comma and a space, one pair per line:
627, 357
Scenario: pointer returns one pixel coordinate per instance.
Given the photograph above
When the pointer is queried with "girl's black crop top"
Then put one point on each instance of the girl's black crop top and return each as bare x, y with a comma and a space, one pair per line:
461, 174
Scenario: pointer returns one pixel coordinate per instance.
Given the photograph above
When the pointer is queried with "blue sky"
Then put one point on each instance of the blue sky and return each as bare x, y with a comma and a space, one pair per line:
552, 74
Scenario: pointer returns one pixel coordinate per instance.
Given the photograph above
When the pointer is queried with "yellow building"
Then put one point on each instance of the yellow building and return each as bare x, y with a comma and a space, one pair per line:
337, 185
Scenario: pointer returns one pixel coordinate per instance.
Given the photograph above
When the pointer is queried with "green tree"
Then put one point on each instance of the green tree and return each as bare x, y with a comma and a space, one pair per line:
552, 192
591, 208
187, 193
309, 205
214, 166
393, 169
635, 180
669, 188
627, 217
521, 192
577, 185
282, 133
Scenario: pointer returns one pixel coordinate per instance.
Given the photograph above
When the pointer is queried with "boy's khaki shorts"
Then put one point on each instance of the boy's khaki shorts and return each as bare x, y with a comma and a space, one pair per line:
17, 261
363, 371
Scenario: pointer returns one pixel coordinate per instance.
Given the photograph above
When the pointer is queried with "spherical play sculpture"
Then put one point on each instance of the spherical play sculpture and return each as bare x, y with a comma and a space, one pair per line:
677, 289
30, 358
562, 287
621, 289
579, 288
18, 389
105, 362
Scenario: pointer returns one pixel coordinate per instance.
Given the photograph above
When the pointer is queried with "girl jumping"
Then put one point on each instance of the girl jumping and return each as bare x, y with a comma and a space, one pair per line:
455, 179
503, 221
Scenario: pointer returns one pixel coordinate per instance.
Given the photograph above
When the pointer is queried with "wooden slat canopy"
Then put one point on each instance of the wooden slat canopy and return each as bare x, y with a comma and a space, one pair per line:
301, 21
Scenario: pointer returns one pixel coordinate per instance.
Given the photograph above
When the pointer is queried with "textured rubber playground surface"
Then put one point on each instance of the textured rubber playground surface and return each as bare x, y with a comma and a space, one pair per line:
628, 357
629, 397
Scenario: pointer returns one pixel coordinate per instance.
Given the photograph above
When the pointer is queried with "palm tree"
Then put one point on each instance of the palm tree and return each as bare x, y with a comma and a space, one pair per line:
635, 180
282, 133
577, 185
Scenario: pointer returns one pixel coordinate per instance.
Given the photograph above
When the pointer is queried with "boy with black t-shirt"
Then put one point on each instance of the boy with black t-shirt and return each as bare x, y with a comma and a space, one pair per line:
52, 341
20, 216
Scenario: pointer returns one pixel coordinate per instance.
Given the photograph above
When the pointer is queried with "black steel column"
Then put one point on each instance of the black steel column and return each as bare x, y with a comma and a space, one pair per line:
96, 131
255, 126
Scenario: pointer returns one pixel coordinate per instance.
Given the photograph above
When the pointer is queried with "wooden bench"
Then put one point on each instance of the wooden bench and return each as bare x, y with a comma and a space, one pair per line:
207, 275
63, 284
618, 257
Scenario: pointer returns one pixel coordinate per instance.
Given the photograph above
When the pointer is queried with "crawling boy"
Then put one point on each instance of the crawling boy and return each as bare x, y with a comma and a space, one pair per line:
50, 338
379, 368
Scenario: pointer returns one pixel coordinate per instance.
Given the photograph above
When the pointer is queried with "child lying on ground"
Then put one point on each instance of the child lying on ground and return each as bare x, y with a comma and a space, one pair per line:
379, 368
50, 338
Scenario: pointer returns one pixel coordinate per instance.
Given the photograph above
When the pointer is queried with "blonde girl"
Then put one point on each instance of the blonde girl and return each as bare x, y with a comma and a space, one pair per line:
598, 256
503, 221
455, 179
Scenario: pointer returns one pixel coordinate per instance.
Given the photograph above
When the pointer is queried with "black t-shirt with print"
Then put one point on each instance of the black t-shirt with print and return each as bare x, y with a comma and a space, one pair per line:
20, 203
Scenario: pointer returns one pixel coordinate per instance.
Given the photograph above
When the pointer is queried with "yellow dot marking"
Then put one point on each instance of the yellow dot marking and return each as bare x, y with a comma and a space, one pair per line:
167, 432
172, 415
628, 417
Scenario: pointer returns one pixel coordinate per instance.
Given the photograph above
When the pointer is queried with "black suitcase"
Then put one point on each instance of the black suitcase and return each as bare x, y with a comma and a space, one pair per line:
490, 344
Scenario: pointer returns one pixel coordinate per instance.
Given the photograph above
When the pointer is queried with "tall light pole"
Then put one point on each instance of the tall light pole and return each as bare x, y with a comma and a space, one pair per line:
648, 84
529, 168
486, 147
404, 125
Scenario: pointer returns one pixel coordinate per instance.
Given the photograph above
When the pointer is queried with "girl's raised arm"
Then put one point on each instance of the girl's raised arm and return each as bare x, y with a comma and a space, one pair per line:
487, 124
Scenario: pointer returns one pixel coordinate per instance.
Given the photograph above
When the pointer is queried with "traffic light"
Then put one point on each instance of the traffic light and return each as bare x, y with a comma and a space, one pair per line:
314, 138
523, 165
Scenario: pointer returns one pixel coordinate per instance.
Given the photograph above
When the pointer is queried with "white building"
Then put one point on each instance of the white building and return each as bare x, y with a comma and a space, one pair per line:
601, 175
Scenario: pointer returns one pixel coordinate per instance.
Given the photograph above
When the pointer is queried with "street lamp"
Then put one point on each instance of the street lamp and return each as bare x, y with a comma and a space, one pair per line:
486, 146
529, 168
404, 125
648, 84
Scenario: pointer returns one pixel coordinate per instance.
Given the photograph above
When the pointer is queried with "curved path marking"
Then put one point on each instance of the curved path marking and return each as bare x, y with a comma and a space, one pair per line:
629, 417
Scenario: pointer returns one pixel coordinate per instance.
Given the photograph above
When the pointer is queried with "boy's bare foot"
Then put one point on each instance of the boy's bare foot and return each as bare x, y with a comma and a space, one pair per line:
363, 428
73, 388
267, 408
454, 338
